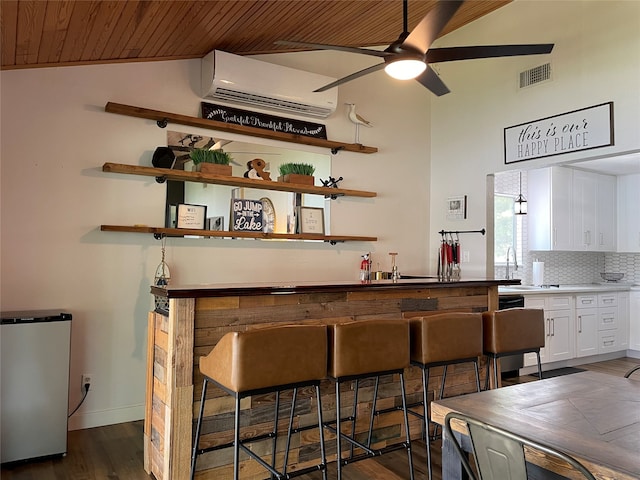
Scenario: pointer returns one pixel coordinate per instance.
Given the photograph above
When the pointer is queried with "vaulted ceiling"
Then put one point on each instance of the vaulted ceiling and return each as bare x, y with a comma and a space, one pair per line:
40, 33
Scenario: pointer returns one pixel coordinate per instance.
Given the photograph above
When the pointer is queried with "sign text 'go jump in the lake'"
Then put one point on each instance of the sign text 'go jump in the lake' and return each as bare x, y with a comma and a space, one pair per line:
583, 129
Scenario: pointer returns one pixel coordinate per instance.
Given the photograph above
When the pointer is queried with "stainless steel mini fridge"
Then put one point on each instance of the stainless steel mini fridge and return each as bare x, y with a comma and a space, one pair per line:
34, 396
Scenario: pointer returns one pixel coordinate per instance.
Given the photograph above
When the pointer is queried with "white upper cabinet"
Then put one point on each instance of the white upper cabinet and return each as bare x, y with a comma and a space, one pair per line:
572, 210
550, 192
594, 211
628, 213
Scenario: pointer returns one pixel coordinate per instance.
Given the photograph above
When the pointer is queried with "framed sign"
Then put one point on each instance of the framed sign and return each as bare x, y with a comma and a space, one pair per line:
583, 129
191, 216
312, 220
457, 207
237, 116
246, 215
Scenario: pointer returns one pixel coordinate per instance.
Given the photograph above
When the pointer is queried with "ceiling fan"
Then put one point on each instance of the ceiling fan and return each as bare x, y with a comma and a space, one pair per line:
409, 56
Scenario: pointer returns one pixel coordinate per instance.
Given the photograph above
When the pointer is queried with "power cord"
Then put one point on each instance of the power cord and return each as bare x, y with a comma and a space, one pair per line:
86, 391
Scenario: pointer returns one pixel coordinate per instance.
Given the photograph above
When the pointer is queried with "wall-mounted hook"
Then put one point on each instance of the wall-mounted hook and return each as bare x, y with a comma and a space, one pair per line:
163, 123
161, 179
335, 150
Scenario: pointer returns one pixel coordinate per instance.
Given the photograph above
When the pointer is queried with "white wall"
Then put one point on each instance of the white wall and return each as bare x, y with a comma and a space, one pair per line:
596, 59
54, 196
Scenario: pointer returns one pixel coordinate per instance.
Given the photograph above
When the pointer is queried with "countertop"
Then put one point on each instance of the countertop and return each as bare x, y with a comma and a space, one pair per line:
222, 289
579, 288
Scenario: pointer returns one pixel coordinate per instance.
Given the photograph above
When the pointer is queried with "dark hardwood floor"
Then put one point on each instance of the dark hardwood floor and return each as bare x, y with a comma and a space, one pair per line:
114, 452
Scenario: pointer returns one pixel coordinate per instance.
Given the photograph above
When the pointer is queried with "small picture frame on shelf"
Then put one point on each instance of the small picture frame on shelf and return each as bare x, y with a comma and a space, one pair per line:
457, 207
191, 216
311, 220
215, 224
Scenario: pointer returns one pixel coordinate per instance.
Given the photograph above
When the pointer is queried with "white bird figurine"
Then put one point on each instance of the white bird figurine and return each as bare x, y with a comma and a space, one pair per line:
357, 120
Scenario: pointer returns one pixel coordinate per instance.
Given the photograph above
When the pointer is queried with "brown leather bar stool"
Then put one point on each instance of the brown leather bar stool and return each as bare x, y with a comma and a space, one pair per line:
512, 331
367, 349
440, 340
263, 361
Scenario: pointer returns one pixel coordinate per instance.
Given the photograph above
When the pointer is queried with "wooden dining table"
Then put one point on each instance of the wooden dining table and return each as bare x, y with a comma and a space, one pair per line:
591, 416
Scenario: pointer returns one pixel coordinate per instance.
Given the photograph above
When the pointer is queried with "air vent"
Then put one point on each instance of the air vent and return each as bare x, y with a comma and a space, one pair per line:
535, 75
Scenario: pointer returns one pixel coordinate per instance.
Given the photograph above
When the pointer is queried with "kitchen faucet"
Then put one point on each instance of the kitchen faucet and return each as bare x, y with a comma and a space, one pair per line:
515, 261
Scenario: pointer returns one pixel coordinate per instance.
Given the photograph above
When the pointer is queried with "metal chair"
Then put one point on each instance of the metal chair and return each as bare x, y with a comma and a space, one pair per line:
440, 340
512, 331
498, 453
260, 361
628, 374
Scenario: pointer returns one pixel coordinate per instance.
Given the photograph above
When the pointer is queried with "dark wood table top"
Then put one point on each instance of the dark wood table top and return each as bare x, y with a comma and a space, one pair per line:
592, 416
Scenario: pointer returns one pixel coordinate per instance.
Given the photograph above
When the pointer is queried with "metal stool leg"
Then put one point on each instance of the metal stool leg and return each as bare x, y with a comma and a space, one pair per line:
236, 440
406, 424
354, 415
425, 404
338, 432
323, 454
373, 412
194, 452
475, 365
275, 434
291, 415
539, 365
495, 371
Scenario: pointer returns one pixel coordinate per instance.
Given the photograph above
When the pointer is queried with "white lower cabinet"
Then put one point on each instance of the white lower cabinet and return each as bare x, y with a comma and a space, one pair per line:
559, 326
585, 325
634, 320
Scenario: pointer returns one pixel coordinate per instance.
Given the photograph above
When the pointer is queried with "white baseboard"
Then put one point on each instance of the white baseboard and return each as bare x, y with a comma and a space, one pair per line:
100, 418
633, 353
574, 362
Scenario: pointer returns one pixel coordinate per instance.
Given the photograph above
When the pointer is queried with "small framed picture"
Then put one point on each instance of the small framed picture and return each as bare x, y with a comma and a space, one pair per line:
215, 223
312, 220
457, 207
191, 216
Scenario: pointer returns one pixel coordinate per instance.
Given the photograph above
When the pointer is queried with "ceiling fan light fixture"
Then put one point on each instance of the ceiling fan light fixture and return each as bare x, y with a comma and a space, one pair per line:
405, 68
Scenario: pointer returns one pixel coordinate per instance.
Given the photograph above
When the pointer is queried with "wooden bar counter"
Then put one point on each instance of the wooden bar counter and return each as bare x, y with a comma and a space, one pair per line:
199, 316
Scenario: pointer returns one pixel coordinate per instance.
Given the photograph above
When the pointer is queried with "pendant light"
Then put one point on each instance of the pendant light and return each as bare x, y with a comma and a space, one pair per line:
520, 204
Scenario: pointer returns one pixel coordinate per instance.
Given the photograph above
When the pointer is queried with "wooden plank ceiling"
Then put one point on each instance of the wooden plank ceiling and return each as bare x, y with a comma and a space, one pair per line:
40, 33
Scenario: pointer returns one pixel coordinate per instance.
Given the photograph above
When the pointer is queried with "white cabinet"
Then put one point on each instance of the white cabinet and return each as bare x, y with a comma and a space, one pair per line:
634, 320
628, 218
623, 320
586, 325
559, 318
572, 210
608, 322
606, 217
549, 217
593, 211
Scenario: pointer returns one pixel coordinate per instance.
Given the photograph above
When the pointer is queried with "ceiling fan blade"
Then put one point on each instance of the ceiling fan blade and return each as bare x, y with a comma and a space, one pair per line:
353, 76
430, 79
322, 46
431, 25
450, 54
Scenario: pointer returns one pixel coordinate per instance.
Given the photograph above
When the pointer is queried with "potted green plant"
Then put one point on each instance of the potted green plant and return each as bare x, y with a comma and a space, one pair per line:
211, 161
297, 173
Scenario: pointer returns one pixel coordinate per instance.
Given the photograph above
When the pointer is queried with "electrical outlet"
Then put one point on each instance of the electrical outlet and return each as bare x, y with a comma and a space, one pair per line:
86, 379
466, 256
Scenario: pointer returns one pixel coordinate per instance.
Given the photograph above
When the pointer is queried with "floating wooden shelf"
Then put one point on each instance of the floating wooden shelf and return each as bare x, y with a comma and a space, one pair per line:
183, 176
179, 232
162, 118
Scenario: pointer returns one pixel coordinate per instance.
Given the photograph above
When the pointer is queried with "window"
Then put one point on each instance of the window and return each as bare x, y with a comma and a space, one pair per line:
506, 234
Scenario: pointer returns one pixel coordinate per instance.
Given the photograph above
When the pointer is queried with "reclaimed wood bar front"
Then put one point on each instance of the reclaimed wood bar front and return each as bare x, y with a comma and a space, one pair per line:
199, 316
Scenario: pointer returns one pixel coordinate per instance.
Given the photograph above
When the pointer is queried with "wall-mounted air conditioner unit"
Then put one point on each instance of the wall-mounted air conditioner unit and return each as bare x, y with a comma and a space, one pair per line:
237, 79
